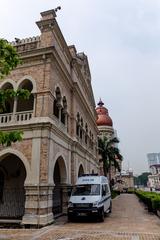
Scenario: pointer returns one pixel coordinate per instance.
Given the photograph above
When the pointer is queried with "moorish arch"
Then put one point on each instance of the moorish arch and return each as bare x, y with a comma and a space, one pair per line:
57, 102
80, 170
6, 82
92, 172
9, 102
27, 77
59, 179
8, 151
24, 105
12, 192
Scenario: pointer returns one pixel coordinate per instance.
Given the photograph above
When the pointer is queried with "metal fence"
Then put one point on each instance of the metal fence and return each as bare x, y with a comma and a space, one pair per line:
12, 203
57, 200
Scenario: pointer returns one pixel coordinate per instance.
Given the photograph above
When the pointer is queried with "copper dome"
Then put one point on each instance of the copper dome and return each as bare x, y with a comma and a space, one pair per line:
103, 116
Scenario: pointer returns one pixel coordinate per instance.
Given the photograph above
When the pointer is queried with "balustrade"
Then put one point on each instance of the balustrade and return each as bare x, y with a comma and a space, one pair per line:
23, 116
18, 117
59, 124
5, 118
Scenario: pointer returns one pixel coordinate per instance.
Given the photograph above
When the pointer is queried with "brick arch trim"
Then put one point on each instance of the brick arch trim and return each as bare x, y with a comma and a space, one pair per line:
58, 156
80, 164
8, 81
21, 157
27, 77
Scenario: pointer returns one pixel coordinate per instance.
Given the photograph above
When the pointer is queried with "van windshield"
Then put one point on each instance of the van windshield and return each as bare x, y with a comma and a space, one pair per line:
88, 189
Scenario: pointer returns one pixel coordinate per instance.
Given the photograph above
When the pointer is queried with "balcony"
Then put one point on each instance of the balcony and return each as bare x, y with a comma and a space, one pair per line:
16, 118
59, 124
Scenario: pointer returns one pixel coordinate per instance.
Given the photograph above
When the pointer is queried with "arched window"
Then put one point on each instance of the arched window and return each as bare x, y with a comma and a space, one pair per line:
26, 104
64, 111
81, 129
57, 102
86, 133
92, 142
78, 124
80, 171
90, 138
9, 102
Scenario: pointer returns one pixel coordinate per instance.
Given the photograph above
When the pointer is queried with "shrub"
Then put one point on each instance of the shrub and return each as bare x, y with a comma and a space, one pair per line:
114, 193
151, 199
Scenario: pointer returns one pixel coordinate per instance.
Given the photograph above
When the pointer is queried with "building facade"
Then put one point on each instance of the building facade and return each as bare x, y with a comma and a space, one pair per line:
58, 123
125, 180
154, 168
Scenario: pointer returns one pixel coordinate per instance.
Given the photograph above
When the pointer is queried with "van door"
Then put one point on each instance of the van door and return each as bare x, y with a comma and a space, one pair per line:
106, 197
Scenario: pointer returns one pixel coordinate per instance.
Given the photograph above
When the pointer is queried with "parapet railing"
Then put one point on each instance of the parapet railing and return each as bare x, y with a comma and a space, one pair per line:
27, 44
6, 118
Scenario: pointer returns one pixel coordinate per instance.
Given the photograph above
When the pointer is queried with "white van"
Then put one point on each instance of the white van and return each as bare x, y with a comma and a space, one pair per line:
90, 196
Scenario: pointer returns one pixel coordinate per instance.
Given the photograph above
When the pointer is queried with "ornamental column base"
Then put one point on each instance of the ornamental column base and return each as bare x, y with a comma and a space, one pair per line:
38, 205
65, 199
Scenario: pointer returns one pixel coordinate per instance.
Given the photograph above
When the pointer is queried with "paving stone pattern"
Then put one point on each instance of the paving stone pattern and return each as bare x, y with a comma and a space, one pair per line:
128, 221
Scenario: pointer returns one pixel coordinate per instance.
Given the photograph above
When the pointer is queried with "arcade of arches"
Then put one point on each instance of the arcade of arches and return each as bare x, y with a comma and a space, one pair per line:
12, 190
18, 109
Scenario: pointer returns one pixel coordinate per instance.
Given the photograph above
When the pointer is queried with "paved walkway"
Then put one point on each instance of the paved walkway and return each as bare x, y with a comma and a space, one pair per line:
129, 220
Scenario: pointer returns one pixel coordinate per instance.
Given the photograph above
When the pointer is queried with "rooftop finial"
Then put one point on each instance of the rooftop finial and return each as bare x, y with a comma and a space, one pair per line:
57, 8
100, 103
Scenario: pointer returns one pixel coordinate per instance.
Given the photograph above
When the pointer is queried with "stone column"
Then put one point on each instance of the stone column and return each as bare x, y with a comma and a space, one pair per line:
53, 98
65, 197
34, 105
14, 110
66, 119
67, 122
38, 205
60, 107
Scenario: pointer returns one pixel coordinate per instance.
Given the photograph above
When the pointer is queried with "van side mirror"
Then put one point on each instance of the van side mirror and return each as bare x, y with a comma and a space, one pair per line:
103, 192
69, 192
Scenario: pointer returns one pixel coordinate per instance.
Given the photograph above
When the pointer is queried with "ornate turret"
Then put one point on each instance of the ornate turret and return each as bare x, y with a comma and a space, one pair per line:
103, 116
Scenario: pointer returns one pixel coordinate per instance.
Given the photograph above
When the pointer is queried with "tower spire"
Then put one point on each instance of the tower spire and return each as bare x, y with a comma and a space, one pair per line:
100, 103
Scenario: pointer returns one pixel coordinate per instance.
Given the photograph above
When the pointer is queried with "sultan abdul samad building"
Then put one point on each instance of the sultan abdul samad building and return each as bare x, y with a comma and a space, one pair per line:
59, 125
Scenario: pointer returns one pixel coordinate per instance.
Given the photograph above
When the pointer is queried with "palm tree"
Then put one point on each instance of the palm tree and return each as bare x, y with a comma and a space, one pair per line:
110, 154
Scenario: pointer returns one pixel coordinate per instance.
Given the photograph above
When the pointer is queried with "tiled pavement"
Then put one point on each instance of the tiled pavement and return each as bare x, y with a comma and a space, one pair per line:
128, 221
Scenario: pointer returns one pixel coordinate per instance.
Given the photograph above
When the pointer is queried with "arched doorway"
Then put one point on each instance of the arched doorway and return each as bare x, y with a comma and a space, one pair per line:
60, 178
80, 171
12, 193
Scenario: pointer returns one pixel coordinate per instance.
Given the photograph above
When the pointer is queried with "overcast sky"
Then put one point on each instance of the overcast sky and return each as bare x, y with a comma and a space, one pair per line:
122, 41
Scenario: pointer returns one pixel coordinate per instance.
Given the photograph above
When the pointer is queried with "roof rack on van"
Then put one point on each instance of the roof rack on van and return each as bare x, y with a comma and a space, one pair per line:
89, 174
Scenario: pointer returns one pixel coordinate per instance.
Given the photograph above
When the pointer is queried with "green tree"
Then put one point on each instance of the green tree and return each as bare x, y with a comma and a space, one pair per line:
9, 59
142, 179
110, 154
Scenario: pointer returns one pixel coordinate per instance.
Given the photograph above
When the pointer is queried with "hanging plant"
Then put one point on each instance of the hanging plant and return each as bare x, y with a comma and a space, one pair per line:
6, 138
23, 93
8, 94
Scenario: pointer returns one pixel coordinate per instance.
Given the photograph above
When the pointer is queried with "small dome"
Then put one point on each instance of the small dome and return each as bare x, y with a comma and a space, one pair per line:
103, 116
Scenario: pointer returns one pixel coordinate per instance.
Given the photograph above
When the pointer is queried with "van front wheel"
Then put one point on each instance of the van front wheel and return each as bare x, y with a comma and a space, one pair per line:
110, 207
101, 215
70, 218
